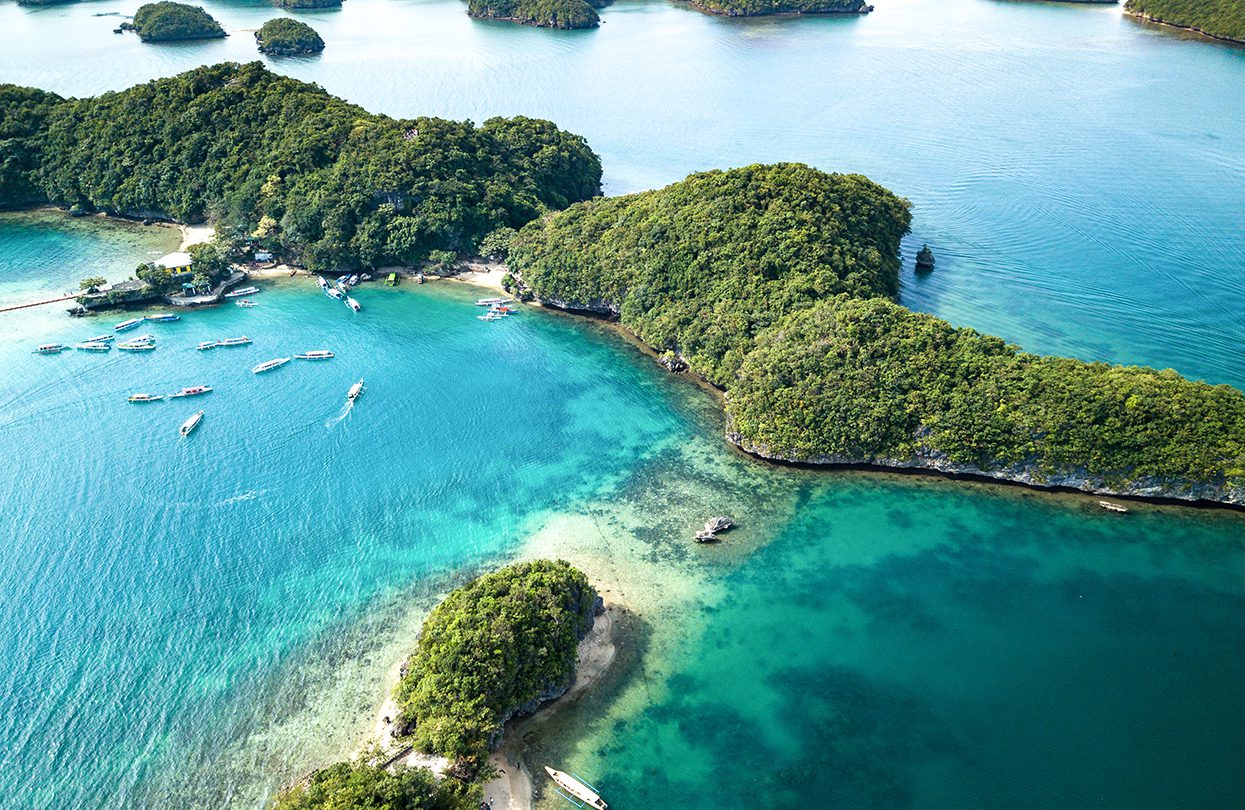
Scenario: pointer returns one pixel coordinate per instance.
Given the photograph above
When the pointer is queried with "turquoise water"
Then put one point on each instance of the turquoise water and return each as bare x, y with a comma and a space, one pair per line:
192, 623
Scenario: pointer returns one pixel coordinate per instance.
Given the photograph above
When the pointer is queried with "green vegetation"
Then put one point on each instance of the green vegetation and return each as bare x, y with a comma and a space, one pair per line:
1224, 19
284, 36
543, 13
307, 4
759, 8
493, 648
702, 266
772, 283
321, 181
361, 786
91, 283
173, 22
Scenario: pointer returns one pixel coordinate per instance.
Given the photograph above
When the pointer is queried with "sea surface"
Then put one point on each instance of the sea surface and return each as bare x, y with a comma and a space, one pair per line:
193, 623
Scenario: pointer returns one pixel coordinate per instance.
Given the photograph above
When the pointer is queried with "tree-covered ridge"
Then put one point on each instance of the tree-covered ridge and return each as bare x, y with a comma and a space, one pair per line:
1224, 19
758, 8
492, 647
307, 4
869, 380
362, 786
542, 13
166, 21
285, 36
321, 181
700, 267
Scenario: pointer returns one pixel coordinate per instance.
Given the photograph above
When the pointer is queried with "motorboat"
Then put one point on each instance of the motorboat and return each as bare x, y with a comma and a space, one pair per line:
163, 317
146, 397
207, 344
353, 304
190, 424
91, 346
101, 339
192, 391
355, 391
353, 280
492, 302
245, 303
242, 292
492, 316
238, 341
324, 285
51, 348
576, 789
333, 292
365, 277
130, 324
315, 354
137, 346
269, 365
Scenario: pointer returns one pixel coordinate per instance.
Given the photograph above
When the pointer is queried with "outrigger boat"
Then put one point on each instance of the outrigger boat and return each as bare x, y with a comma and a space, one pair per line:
492, 302
353, 304
163, 317
324, 285
245, 303
91, 346
238, 341
192, 391
576, 790
51, 348
137, 346
146, 397
332, 292
315, 354
207, 344
269, 365
101, 339
242, 292
355, 391
190, 424
130, 324
492, 316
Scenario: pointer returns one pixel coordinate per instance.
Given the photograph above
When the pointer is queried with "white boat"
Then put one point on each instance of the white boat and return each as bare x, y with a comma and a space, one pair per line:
245, 303
324, 285
355, 391
353, 280
490, 317
269, 365
101, 339
50, 348
577, 789
238, 341
130, 324
353, 304
365, 277
335, 293
142, 339
146, 397
315, 354
190, 424
163, 317
192, 391
90, 346
242, 292
492, 302
142, 346
207, 344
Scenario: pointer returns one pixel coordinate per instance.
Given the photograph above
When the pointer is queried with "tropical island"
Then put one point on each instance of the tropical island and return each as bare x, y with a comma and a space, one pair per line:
495, 648
776, 285
307, 4
166, 21
284, 36
760, 8
1220, 19
565, 14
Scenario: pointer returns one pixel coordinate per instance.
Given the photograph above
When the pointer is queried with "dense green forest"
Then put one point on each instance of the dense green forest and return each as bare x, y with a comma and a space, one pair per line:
361, 786
758, 8
1218, 18
772, 282
492, 647
321, 181
285, 36
701, 266
307, 3
173, 22
543, 13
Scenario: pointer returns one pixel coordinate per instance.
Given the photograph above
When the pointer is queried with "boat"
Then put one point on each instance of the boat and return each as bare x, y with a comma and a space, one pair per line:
146, 397
391, 280
576, 789
192, 391
332, 292
324, 285
245, 303
163, 317
269, 365
207, 344
91, 346
238, 341
315, 354
492, 302
242, 292
501, 309
353, 281
355, 391
50, 348
365, 277
101, 339
1113, 507
343, 279
142, 339
141, 346
492, 316
342, 286
130, 324
353, 304
190, 424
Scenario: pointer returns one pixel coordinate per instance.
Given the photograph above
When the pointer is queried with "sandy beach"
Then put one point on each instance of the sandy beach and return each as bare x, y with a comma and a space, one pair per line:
195, 235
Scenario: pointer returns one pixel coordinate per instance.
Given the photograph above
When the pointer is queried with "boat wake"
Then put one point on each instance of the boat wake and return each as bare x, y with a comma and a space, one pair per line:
345, 411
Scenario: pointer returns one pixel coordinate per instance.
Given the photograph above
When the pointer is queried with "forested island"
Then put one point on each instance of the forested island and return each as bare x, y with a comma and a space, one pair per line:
173, 22
760, 8
284, 36
287, 166
496, 647
1221, 19
565, 14
776, 284
307, 4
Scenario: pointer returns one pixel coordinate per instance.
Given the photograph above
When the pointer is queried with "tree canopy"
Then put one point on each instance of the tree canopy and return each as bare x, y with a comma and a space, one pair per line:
166, 21
285, 36
1218, 18
363, 786
759, 8
542, 13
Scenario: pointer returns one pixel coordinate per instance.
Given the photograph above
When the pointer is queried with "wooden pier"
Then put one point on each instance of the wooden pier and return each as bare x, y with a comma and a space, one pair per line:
40, 303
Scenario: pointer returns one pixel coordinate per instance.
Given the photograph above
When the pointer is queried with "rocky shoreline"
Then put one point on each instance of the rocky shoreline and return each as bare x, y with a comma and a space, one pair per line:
1146, 18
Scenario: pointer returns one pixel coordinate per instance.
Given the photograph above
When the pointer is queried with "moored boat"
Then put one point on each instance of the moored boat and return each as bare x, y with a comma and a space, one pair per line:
353, 304
101, 339
246, 303
353, 280
130, 324
50, 348
269, 365
207, 344
242, 292
576, 789
333, 292
192, 391
324, 285
355, 391
190, 424
137, 346
146, 397
491, 302
238, 341
163, 317
492, 316
315, 354
91, 346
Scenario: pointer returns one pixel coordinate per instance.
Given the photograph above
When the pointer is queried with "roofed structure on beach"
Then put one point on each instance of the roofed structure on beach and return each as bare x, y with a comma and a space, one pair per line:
175, 262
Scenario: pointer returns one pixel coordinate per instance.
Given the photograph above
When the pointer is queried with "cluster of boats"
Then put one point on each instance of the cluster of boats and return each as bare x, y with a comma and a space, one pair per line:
340, 290
498, 308
104, 342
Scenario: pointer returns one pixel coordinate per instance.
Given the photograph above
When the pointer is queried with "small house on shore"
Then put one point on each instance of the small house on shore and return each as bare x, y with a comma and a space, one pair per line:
176, 262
